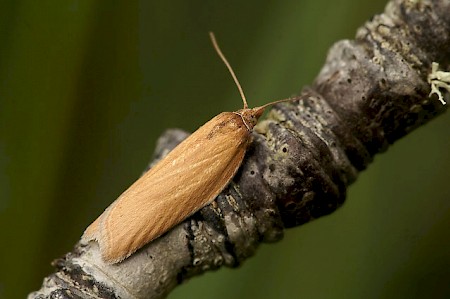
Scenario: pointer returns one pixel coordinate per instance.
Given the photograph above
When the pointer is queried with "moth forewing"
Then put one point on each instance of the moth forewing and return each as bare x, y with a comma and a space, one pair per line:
187, 179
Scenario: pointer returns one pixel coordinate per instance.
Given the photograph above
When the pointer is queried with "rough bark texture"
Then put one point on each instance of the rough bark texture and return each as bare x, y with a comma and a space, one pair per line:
371, 91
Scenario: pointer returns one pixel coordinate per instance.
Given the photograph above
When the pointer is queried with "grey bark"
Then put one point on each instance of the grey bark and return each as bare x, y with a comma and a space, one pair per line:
371, 91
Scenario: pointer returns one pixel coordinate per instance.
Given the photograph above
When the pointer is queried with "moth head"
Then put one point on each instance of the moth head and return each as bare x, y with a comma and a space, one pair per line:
250, 116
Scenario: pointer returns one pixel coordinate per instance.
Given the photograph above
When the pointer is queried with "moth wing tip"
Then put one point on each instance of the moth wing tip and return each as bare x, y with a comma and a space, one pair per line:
110, 255
91, 232
107, 252
112, 259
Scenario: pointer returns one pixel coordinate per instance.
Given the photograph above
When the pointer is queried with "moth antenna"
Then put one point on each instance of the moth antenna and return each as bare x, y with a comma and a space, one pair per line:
276, 102
219, 52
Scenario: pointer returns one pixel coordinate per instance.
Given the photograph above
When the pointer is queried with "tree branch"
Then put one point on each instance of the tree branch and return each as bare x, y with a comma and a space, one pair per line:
371, 91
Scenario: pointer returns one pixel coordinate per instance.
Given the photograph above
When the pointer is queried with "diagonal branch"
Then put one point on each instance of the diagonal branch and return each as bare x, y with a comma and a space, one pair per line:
371, 91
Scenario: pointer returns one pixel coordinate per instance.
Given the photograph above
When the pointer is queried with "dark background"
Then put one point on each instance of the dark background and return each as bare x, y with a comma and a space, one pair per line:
86, 87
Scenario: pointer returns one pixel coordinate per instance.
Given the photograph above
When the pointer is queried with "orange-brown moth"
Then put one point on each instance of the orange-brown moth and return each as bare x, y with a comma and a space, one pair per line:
187, 179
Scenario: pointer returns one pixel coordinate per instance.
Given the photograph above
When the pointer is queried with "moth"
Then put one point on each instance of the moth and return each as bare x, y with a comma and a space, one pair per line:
187, 179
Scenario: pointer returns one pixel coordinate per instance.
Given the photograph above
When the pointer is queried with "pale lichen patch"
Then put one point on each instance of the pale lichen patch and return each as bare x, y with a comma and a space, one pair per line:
438, 79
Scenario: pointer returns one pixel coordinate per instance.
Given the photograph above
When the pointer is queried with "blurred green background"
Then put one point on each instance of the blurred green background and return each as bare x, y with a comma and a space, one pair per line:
86, 87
